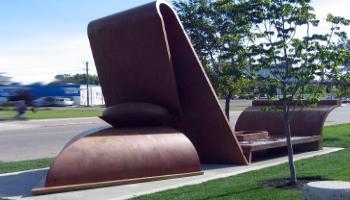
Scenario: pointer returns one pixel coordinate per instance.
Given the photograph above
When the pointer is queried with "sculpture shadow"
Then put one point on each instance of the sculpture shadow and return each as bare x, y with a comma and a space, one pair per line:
20, 184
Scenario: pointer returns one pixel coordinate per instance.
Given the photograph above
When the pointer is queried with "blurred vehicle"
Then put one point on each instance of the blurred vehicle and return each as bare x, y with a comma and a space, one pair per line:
63, 102
235, 97
329, 97
44, 101
345, 100
263, 96
52, 101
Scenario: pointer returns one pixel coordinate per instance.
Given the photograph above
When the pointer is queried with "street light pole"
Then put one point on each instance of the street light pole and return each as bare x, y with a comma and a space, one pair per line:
87, 84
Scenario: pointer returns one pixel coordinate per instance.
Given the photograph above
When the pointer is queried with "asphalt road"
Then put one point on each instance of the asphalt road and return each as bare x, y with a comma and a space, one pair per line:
26, 140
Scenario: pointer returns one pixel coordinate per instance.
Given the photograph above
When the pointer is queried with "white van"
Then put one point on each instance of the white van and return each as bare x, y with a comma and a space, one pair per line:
60, 101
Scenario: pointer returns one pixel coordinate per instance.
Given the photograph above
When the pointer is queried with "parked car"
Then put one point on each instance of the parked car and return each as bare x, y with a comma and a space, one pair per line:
52, 101
44, 101
345, 100
63, 102
330, 97
263, 96
235, 97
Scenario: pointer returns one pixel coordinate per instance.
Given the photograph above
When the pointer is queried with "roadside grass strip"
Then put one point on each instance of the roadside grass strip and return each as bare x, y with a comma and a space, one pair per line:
53, 113
8, 167
249, 186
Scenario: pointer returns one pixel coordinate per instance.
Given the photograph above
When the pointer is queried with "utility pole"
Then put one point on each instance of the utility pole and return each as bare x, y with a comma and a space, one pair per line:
87, 85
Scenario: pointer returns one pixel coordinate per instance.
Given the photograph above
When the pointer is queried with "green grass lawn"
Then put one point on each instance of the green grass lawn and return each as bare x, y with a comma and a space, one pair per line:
51, 113
238, 108
335, 166
24, 165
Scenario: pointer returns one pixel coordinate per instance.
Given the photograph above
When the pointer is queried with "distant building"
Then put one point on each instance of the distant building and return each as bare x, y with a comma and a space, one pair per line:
78, 93
95, 95
266, 73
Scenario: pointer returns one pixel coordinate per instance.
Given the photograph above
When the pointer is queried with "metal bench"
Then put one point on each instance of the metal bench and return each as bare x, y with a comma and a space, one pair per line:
306, 126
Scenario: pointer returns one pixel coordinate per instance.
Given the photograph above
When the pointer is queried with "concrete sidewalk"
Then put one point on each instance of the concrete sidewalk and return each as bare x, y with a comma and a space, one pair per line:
18, 185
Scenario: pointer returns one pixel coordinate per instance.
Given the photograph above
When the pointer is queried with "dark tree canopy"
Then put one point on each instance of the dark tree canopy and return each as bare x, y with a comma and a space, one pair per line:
77, 78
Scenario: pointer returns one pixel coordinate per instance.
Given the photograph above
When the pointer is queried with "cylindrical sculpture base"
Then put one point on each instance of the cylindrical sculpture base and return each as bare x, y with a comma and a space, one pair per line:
118, 155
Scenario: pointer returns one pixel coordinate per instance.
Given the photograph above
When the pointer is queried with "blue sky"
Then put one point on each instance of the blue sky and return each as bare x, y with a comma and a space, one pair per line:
42, 38
23, 18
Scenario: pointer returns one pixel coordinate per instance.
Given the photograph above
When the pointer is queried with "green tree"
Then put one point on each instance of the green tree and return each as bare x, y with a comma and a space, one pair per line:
342, 86
77, 78
219, 31
342, 83
294, 59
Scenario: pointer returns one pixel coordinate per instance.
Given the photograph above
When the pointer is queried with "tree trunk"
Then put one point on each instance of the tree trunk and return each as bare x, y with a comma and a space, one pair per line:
227, 106
286, 122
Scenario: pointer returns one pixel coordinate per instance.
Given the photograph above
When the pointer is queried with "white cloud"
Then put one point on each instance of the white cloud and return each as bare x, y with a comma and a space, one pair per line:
334, 7
41, 58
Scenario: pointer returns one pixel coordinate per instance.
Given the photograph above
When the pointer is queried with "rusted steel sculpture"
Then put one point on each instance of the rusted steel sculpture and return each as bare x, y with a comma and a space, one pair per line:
144, 55
166, 118
159, 101
306, 126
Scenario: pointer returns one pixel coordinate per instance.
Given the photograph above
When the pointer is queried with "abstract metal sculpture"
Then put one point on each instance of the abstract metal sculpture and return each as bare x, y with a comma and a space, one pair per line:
159, 101
165, 115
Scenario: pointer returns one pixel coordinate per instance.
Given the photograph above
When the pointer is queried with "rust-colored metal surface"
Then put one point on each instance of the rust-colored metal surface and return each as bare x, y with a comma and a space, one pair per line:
306, 122
306, 126
132, 58
144, 55
122, 154
203, 120
251, 136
